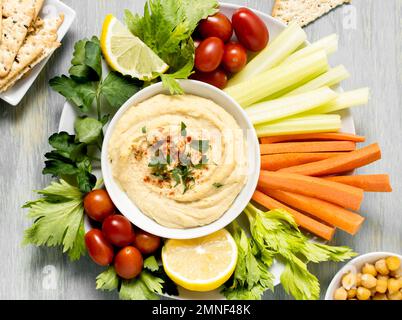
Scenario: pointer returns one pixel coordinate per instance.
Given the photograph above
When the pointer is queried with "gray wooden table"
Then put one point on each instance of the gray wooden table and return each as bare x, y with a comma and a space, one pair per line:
370, 47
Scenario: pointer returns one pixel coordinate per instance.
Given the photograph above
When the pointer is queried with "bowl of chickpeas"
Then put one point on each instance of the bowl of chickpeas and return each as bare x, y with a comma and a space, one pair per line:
371, 276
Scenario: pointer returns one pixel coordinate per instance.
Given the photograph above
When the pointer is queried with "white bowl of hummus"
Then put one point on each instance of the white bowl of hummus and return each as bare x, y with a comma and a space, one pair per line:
181, 166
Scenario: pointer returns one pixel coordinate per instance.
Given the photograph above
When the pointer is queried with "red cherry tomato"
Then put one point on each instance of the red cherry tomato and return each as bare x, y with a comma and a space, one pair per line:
208, 54
98, 205
235, 57
128, 262
217, 25
99, 249
250, 30
118, 230
145, 242
217, 78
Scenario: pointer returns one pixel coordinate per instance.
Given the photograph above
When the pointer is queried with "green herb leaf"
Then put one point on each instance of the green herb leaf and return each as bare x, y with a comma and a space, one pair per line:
151, 264
87, 61
145, 287
144, 130
58, 219
217, 185
93, 56
299, 282
88, 130
117, 89
251, 277
107, 280
166, 27
183, 130
275, 234
81, 95
70, 159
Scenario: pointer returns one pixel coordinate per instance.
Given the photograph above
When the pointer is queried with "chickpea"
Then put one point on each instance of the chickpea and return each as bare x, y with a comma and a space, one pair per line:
363, 293
393, 263
393, 285
368, 281
340, 294
349, 281
382, 284
395, 296
369, 268
358, 279
397, 273
352, 294
380, 296
381, 267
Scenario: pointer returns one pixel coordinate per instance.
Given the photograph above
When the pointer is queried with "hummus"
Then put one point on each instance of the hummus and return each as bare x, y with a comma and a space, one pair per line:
180, 159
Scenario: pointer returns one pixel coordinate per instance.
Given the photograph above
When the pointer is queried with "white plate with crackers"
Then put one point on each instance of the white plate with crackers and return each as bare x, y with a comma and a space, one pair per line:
31, 30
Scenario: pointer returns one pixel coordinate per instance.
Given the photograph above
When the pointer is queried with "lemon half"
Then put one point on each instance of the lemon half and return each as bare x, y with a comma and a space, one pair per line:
127, 54
200, 264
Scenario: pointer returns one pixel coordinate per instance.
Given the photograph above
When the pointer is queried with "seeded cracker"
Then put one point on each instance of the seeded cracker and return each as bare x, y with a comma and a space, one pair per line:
37, 46
15, 28
303, 11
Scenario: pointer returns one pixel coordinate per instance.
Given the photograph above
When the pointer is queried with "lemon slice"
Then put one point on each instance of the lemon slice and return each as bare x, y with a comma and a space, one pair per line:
127, 54
200, 264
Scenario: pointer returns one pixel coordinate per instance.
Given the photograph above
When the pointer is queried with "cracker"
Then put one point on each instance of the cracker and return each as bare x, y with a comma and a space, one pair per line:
37, 46
303, 12
15, 29
43, 55
38, 7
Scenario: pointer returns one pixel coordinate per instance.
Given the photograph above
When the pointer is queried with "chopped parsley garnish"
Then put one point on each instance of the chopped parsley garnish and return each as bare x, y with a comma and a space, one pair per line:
144, 129
175, 164
217, 185
183, 130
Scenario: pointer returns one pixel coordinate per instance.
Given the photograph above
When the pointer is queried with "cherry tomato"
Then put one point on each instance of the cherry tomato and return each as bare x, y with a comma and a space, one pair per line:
208, 54
250, 30
98, 205
99, 249
145, 242
235, 57
118, 230
217, 78
128, 262
217, 25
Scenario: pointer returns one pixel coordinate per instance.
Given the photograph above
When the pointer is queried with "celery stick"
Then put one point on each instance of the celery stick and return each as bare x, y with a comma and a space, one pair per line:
277, 79
330, 78
285, 107
329, 44
343, 101
307, 124
274, 53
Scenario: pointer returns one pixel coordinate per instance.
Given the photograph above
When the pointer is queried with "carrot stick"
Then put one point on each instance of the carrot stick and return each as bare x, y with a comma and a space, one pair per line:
322, 146
337, 193
273, 162
330, 213
307, 223
337, 136
370, 183
339, 164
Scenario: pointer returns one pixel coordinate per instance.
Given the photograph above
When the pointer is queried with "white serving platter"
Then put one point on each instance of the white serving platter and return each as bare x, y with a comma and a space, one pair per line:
70, 113
51, 8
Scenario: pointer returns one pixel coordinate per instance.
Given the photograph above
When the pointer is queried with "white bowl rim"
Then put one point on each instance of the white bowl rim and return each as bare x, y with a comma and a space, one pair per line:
148, 224
359, 260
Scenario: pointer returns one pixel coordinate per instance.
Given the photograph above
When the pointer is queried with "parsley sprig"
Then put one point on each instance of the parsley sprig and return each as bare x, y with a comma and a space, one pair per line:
275, 235
166, 27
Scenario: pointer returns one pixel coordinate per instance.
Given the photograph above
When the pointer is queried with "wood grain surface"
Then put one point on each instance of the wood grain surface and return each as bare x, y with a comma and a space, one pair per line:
370, 47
